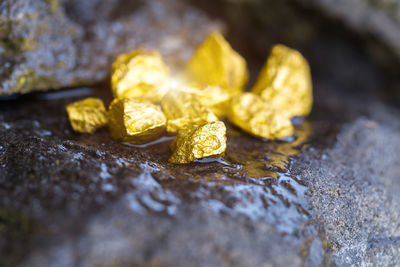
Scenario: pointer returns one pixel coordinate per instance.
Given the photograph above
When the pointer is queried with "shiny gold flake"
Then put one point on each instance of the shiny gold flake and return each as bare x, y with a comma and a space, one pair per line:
285, 82
135, 121
139, 74
87, 115
256, 116
215, 63
184, 110
197, 143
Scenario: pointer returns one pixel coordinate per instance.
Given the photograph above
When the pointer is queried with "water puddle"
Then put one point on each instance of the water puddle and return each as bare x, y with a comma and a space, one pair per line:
152, 143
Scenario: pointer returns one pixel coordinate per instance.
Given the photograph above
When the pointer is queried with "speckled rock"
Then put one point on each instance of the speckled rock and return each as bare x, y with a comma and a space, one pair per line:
54, 44
354, 191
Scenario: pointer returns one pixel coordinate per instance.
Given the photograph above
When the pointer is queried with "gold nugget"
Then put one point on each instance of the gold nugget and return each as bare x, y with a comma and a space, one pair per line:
184, 110
285, 82
216, 98
135, 121
197, 143
255, 116
87, 115
139, 74
216, 63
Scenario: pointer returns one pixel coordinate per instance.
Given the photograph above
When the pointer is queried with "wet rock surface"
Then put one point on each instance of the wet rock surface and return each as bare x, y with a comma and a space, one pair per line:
69, 188
55, 44
329, 197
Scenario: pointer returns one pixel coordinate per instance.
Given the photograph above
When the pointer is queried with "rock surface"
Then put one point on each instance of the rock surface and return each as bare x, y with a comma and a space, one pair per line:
83, 199
354, 191
52, 44
62, 190
328, 198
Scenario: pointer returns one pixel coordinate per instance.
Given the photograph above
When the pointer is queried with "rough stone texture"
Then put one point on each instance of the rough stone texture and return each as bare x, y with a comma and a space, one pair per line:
48, 44
354, 191
72, 199
124, 238
82, 199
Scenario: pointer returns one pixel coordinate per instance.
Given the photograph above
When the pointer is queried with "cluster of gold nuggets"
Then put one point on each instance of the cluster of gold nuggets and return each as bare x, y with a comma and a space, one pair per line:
148, 101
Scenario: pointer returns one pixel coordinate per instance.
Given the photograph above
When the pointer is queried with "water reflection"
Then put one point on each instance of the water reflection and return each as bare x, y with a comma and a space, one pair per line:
252, 179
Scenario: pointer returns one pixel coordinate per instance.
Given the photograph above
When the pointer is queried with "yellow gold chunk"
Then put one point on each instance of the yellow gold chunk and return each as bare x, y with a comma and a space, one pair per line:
87, 115
256, 116
184, 110
135, 121
216, 63
139, 74
197, 143
216, 98
285, 82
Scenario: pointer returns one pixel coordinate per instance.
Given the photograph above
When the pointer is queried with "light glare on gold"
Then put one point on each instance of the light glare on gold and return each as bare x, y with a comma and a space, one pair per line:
211, 87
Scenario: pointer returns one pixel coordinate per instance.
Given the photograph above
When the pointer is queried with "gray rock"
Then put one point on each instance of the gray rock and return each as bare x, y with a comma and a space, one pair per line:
194, 236
354, 191
52, 44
